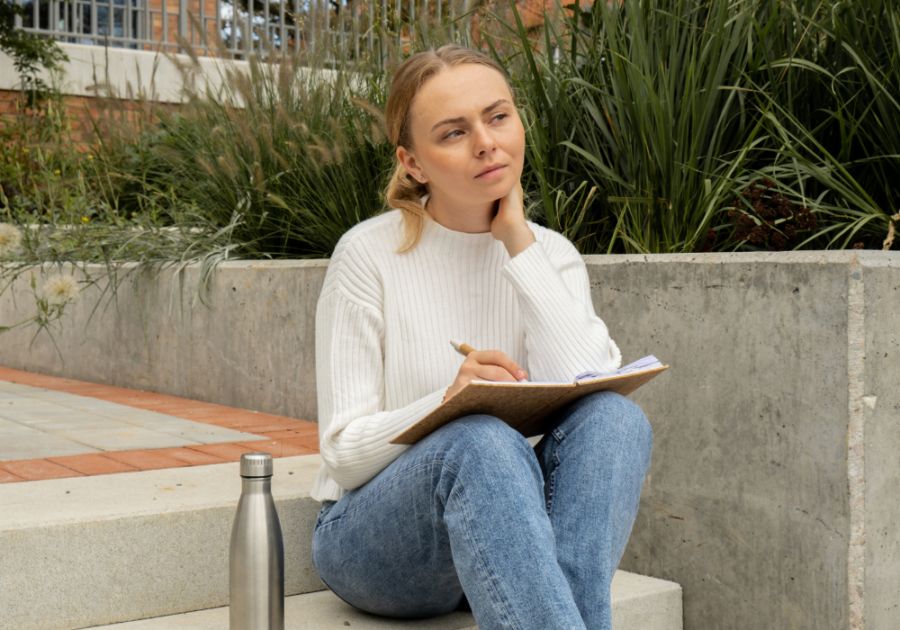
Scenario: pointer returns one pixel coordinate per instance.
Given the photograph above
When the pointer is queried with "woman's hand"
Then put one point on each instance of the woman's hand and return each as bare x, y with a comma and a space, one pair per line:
508, 224
488, 365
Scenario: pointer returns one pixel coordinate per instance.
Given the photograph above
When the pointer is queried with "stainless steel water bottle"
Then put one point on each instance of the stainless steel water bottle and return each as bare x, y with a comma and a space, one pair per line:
256, 561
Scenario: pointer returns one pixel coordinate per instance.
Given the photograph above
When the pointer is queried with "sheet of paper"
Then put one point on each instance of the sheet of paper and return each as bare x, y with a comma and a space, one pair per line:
647, 363
522, 382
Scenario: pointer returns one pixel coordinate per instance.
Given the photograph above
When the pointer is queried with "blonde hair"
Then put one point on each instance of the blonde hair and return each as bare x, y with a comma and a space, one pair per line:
403, 191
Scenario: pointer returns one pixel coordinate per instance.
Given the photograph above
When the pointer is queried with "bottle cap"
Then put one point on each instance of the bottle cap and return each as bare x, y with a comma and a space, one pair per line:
256, 465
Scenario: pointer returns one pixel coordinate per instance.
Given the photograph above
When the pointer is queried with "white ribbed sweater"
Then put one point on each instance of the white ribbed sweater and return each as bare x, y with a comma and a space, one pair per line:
384, 322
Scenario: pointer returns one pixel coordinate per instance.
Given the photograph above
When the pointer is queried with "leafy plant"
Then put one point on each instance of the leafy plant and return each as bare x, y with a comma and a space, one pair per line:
298, 154
667, 109
29, 53
827, 88
645, 104
766, 219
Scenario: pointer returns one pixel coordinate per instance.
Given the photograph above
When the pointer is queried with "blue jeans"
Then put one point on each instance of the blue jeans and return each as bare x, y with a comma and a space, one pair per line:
531, 537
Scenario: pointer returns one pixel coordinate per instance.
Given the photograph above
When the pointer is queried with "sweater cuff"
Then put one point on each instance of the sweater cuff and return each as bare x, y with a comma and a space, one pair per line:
531, 269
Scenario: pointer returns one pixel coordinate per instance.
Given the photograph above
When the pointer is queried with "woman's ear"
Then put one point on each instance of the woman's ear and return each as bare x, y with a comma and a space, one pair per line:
408, 160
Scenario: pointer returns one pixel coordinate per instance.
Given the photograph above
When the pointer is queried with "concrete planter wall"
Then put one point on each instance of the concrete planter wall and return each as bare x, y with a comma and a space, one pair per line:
253, 349
773, 496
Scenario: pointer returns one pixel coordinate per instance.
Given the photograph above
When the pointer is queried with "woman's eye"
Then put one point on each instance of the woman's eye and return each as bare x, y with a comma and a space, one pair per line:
450, 135
500, 116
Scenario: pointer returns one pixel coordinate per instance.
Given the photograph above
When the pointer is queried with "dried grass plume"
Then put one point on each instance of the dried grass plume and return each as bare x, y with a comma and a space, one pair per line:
60, 289
10, 239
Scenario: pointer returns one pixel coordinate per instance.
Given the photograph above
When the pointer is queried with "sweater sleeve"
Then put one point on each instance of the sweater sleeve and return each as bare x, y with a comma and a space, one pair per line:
563, 335
354, 427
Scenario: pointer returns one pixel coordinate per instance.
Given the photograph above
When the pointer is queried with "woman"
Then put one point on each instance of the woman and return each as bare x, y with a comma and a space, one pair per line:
530, 536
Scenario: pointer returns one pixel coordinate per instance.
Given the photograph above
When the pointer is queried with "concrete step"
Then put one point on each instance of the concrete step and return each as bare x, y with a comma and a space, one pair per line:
88, 551
639, 603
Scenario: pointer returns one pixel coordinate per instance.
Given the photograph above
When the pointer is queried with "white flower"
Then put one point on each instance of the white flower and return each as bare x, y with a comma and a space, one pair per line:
10, 238
60, 289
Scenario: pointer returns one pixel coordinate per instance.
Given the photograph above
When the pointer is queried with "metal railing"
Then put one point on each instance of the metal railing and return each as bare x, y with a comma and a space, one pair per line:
341, 28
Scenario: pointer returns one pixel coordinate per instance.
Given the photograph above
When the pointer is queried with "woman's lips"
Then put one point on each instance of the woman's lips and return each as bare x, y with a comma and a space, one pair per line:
491, 174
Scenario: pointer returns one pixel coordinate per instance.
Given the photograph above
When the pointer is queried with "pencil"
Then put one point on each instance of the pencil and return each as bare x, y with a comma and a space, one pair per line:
463, 348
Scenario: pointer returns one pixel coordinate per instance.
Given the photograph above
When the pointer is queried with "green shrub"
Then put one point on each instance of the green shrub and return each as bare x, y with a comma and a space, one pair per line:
826, 81
649, 120
647, 125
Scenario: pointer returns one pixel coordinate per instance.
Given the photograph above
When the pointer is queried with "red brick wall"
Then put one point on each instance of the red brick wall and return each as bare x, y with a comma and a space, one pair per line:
77, 112
82, 113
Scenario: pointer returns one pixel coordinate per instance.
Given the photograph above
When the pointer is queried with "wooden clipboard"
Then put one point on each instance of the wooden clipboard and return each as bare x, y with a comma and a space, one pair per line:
527, 408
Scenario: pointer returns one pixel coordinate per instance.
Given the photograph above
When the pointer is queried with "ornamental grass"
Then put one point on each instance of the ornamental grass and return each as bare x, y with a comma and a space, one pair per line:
653, 126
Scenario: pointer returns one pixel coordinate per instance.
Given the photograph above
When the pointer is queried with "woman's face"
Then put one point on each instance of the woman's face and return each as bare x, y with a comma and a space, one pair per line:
468, 140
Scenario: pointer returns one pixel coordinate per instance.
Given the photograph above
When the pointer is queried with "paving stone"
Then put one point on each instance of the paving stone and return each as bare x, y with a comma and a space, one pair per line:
23, 403
230, 452
159, 406
27, 443
126, 439
67, 399
50, 413
144, 418
277, 448
191, 456
290, 434
94, 423
288, 424
127, 397
170, 425
93, 464
310, 442
208, 433
259, 429
236, 419
37, 469
12, 387
8, 477
8, 427
146, 460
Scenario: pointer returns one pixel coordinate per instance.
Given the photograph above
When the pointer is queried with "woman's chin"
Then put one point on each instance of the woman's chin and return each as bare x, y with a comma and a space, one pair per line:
482, 193
495, 189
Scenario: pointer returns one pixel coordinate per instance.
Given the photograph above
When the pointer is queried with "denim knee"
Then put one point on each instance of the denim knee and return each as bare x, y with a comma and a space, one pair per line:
620, 415
479, 428
480, 436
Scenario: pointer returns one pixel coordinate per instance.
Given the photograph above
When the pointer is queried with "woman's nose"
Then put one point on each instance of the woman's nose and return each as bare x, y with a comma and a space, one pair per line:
483, 139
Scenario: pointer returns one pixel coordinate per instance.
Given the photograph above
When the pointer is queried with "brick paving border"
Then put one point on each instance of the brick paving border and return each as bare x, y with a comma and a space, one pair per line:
286, 436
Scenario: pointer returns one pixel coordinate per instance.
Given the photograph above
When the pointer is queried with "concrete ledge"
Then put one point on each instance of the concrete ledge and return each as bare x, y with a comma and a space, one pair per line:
645, 603
87, 551
305, 612
638, 603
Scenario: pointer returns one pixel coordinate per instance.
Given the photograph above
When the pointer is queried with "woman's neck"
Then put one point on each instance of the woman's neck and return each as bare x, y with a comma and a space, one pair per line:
461, 217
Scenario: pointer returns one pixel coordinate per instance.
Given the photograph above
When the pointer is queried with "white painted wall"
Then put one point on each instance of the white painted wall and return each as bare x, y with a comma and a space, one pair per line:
103, 71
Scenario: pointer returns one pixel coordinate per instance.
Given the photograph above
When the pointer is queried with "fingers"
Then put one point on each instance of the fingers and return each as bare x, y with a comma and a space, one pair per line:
513, 199
486, 365
495, 365
493, 373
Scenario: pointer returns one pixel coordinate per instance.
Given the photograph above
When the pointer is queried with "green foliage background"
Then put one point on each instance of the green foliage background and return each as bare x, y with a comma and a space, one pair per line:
30, 54
670, 108
646, 122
